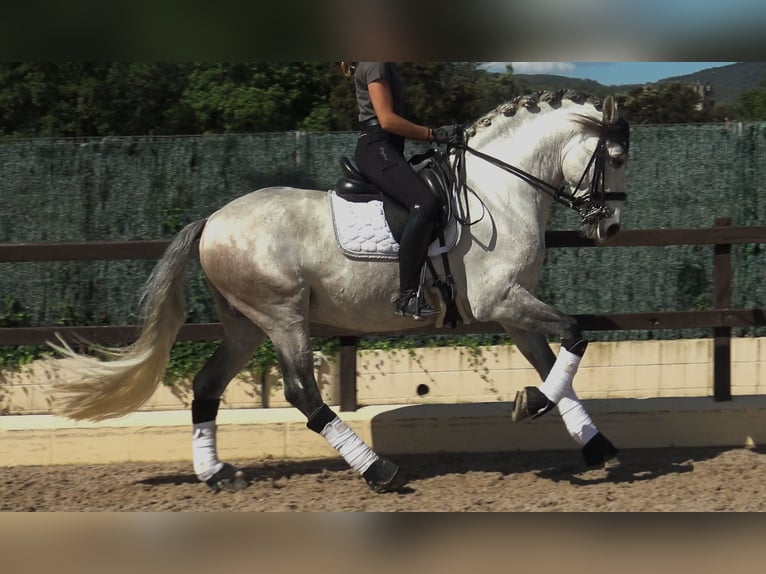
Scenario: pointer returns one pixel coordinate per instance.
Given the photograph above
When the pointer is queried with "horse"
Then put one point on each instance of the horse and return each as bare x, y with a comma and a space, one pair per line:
273, 266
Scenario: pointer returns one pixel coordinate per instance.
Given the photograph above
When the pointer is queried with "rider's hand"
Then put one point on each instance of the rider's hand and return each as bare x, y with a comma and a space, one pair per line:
447, 134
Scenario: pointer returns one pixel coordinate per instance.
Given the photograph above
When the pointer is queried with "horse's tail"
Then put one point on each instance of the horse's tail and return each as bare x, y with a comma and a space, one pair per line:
124, 379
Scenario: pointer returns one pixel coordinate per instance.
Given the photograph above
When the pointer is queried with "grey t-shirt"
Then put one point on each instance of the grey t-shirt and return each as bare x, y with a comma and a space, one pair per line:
368, 72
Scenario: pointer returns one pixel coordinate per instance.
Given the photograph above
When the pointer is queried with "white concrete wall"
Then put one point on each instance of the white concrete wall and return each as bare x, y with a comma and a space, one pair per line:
641, 394
630, 369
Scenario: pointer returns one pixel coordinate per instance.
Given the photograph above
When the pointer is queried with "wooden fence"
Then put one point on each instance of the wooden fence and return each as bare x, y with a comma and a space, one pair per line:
721, 318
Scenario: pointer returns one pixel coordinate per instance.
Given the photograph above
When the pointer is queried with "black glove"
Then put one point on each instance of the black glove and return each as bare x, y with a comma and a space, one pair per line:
447, 134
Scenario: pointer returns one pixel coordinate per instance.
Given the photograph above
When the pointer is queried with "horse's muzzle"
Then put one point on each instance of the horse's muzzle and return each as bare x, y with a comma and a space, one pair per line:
607, 228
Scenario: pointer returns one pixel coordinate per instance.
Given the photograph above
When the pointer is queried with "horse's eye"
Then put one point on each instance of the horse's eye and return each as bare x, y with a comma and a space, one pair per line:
616, 162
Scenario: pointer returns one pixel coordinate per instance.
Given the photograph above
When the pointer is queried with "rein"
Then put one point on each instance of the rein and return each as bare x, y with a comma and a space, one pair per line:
591, 207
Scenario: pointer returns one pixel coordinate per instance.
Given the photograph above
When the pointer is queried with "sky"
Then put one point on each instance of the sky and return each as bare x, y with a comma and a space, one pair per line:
611, 73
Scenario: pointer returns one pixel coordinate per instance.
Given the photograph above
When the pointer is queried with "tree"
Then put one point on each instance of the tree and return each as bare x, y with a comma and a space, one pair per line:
454, 92
145, 99
258, 97
338, 111
491, 90
665, 103
91, 99
45, 99
98, 99
751, 104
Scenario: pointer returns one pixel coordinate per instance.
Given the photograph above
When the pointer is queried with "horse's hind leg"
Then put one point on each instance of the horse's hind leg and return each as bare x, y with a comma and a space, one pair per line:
241, 340
293, 347
557, 390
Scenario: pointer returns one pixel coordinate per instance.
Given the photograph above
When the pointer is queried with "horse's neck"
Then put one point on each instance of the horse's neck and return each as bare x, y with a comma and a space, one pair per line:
534, 146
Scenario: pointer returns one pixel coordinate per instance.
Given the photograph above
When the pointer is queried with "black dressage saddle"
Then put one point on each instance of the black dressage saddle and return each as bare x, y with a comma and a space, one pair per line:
434, 169
353, 186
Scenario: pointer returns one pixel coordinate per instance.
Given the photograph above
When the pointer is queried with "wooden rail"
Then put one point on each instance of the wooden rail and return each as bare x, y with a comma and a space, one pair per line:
721, 319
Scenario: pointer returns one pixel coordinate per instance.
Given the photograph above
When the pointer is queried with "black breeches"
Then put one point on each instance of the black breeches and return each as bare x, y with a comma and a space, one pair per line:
379, 157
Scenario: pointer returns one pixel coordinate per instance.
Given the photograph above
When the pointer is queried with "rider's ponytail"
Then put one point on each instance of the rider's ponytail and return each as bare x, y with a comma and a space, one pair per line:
348, 69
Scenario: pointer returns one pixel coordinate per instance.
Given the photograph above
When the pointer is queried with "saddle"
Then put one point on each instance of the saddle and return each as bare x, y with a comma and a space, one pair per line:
434, 170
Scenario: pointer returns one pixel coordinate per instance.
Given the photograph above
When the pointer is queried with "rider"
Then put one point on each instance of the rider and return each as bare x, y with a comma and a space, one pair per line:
380, 157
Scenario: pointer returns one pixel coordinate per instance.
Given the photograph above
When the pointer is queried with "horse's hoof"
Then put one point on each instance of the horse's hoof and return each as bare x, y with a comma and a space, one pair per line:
530, 402
382, 476
600, 452
229, 478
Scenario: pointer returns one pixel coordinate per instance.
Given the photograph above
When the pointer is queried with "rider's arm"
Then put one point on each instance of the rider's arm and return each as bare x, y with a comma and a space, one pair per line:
382, 101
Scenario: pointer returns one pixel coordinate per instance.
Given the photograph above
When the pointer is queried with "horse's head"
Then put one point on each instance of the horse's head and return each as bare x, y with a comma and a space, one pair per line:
594, 166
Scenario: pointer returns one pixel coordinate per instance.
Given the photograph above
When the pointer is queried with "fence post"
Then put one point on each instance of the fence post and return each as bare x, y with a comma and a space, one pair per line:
722, 300
347, 373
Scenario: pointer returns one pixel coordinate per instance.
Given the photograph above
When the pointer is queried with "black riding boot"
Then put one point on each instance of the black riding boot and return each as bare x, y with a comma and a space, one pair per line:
413, 248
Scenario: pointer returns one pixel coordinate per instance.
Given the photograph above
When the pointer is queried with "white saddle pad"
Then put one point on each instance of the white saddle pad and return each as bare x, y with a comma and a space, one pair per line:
363, 233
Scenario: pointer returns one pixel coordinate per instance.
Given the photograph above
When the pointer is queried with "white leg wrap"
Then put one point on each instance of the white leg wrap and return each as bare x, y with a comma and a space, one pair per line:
578, 423
355, 452
559, 381
204, 450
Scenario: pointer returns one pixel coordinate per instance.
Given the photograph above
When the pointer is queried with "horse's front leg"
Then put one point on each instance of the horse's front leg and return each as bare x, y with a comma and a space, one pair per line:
528, 320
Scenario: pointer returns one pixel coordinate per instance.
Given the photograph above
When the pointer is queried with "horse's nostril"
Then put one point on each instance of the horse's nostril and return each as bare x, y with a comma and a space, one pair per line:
613, 230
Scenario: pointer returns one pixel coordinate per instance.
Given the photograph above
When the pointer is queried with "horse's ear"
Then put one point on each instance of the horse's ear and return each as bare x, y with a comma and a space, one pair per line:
609, 109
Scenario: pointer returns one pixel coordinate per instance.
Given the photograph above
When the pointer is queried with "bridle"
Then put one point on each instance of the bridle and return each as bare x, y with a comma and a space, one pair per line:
591, 206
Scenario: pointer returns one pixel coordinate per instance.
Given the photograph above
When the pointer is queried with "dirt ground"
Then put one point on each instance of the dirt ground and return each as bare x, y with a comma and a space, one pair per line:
659, 480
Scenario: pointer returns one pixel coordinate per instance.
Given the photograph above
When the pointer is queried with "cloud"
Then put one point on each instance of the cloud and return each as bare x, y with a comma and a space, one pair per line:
558, 68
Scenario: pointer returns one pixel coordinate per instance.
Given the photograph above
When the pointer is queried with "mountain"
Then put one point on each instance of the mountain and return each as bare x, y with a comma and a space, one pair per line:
726, 82
533, 82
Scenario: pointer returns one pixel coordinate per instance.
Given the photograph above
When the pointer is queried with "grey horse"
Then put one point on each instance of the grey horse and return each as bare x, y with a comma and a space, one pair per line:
274, 267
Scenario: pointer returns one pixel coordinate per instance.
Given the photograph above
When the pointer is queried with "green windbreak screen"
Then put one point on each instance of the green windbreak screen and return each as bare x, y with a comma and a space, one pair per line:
128, 188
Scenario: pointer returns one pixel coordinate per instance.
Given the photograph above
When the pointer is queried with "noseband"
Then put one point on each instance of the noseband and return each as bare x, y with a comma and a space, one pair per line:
592, 206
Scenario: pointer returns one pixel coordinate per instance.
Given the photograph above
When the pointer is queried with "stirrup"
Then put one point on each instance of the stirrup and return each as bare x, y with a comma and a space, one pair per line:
411, 305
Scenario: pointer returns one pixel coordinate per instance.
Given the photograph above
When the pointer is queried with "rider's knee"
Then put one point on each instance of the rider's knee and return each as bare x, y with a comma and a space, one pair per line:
426, 210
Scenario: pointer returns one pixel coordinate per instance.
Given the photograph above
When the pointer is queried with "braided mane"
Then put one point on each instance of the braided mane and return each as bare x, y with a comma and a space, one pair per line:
522, 107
